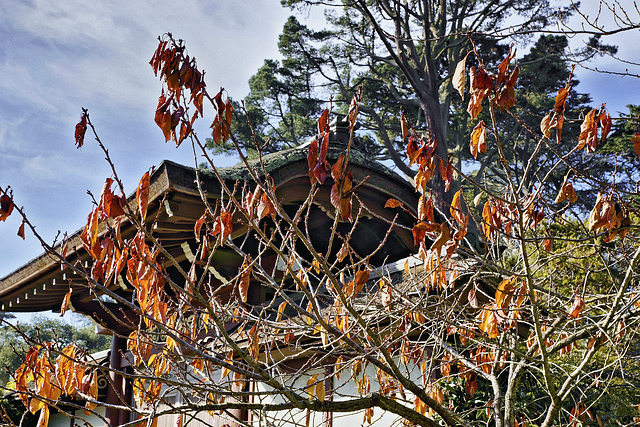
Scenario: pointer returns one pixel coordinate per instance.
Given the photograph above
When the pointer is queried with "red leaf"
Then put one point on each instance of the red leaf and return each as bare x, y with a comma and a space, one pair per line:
323, 122
142, 195
312, 159
81, 129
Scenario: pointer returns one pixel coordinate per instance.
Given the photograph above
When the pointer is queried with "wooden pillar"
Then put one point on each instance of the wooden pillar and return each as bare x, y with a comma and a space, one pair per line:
115, 390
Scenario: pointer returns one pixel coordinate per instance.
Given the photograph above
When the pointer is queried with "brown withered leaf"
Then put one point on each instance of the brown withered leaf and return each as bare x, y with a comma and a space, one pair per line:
245, 278
422, 228
265, 207
43, 420
81, 129
197, 228
561, 99
506, 97
343, 252
323, 122
545, 125
142, 195
446, 173
361, 279
481, 79
566, 192
547, 244
459, 76
223, 225
478, 141
475, 103
6, 207
404, 126
559, 122
89, 235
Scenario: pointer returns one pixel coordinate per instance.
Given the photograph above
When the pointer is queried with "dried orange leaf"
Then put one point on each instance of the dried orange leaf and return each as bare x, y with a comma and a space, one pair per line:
142, 195
21, 230
478, 141
66, 301
576, 307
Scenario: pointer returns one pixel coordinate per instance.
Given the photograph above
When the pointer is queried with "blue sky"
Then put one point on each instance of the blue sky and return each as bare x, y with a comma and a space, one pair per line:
57, 57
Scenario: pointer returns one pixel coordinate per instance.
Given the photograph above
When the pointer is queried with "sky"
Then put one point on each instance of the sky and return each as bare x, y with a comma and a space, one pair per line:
58, 57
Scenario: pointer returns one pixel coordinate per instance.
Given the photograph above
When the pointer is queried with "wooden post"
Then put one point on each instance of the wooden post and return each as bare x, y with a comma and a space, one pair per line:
115, 388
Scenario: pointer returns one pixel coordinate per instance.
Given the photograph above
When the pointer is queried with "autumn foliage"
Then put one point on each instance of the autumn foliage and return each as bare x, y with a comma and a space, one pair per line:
457, 335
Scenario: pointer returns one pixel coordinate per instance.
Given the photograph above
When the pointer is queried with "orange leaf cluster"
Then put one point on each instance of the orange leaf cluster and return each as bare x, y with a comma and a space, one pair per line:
221, 126
483, 84
594, 120
179, 72
556, 120
421, 151
610, 216
499, 216
257, 204
505, 310
41, 383
579, 414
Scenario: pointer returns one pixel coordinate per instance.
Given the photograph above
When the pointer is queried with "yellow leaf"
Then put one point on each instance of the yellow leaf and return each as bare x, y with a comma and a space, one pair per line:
311, 385
505, 292
320, 391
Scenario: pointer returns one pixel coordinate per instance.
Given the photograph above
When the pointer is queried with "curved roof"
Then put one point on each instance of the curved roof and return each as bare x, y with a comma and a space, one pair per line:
175, 201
